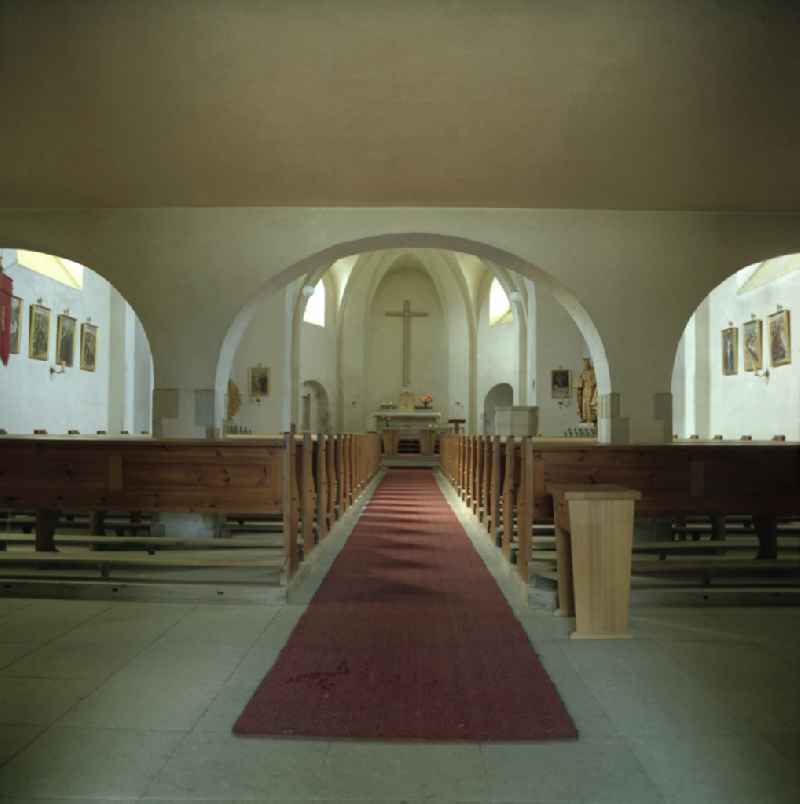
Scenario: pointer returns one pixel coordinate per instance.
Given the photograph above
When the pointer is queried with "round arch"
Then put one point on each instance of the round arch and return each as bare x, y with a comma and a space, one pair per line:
131, 378
315, 265
499, 395
733, 371
315, 412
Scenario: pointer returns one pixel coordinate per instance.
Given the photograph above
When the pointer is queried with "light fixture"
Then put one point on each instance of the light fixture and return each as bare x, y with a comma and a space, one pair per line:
515, 296
308, 290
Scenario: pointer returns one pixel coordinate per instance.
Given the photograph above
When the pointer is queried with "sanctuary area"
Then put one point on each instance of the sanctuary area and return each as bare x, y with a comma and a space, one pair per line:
399, 401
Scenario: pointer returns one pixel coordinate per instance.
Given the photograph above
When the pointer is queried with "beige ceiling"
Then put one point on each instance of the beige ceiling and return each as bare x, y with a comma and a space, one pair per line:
627, 104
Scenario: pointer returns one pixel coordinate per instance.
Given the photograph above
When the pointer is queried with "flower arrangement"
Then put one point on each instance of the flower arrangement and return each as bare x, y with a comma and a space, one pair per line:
426, 400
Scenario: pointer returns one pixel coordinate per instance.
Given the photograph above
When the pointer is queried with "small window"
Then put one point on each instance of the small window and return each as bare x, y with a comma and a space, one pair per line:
315, 307
499, 305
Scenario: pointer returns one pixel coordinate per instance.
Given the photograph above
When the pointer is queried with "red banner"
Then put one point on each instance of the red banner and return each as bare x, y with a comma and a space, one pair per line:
6, 289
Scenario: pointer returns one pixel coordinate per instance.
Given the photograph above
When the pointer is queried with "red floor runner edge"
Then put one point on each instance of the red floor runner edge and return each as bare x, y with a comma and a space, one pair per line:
408, 638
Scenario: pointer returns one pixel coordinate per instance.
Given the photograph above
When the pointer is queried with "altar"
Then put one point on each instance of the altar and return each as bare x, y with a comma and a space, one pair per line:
407, 431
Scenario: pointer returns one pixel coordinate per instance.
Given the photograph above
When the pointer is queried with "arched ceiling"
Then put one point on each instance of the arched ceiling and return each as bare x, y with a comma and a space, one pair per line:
613, 104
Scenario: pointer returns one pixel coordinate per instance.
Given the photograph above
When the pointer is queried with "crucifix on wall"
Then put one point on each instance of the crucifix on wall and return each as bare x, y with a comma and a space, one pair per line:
406, 315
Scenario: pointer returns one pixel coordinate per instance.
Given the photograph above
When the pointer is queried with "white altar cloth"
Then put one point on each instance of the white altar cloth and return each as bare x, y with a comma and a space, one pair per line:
401, 419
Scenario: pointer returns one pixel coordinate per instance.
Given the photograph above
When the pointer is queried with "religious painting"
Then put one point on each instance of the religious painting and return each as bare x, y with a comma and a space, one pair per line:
88, 347
259, 382
39, 334
560, 383
753, 336
65, 340
780, 339
730, 351
16, 324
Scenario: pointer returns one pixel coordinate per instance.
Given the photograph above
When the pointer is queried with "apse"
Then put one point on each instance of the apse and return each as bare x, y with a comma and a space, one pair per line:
79, 358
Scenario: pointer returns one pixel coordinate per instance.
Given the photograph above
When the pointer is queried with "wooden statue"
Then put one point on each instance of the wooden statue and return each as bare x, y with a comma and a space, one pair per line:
234, 399
586, 393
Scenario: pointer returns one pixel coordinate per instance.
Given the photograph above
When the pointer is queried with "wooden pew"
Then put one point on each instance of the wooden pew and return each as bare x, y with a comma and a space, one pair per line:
264, 478
674, 480
704, 482
79, 474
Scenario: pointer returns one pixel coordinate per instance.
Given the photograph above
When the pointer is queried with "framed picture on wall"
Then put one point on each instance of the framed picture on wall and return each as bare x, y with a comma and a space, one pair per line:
259, 382
730, 351
39, 333
16, 324
753, 336
560, 383
88, 347
780, 339
65, 340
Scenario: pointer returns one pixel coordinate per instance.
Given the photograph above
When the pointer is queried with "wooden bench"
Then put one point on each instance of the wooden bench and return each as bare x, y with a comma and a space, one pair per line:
147, 543
674, 480
85, 475
104, 564
707, 482
281, 478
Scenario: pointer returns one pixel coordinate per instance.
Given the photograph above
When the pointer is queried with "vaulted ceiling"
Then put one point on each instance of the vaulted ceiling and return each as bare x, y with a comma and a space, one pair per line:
626, 104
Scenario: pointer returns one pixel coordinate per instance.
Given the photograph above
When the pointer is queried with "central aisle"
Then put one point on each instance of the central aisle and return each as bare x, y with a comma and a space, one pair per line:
409, 638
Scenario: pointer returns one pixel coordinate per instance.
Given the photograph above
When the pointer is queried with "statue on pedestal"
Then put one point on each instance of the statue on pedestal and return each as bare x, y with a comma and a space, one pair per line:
586, 393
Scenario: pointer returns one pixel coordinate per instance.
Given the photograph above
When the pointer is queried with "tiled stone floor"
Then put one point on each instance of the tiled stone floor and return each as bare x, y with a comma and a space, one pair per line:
135, 702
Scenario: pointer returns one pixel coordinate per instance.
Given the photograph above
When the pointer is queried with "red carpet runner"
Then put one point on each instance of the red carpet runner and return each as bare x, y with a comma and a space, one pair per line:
408, 638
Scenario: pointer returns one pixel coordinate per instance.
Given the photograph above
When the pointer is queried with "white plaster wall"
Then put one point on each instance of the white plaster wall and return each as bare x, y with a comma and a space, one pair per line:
741, 404
384, 343
139, 410
266, 343
30, 397
639, 275
497, 355
318, 354
121, 348
559, 344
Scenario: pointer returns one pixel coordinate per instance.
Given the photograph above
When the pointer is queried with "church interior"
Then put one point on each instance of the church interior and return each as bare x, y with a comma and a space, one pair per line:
400, 401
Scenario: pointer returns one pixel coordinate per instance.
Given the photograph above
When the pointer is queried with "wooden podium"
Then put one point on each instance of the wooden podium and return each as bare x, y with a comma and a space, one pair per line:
594, 540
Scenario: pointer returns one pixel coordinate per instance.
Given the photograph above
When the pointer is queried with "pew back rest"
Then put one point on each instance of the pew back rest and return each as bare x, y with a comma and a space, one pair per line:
151, 475
678, 479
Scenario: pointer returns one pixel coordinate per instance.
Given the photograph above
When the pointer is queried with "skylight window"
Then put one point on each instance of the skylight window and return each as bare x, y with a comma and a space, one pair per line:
315, 307
499, 305
62, 270
771, 271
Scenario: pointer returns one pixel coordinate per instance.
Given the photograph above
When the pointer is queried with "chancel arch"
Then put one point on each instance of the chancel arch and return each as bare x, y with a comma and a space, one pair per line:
359, 253
79, 359
735, 372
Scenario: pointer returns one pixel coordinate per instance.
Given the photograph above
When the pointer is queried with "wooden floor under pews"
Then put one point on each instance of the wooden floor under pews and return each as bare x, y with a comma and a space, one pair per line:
95, 516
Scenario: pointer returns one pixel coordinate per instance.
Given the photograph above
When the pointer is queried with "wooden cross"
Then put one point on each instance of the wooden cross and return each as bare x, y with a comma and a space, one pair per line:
406, 315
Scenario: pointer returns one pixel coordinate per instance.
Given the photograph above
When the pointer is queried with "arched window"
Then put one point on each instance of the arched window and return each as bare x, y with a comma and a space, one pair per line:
315, 308
499, 305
